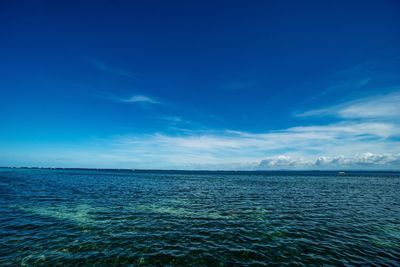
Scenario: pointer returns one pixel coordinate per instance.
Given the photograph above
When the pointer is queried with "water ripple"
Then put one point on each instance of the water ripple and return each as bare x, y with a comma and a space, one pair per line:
50, 217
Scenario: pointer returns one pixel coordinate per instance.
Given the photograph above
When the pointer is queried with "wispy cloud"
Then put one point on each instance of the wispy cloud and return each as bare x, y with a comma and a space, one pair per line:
360, 140
381, 106
107, 68
140, 99
346, 145
372, 139
353, 84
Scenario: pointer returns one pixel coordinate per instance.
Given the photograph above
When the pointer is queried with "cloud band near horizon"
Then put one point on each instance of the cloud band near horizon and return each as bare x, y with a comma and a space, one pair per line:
369, 141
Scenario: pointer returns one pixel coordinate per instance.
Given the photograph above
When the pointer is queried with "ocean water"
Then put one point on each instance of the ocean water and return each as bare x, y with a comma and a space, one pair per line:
105, 218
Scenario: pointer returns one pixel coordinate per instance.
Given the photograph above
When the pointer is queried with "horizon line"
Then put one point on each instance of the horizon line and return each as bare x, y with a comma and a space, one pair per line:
193, 170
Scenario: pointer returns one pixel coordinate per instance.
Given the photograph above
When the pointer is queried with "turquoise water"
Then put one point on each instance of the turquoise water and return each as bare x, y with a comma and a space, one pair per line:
73, 217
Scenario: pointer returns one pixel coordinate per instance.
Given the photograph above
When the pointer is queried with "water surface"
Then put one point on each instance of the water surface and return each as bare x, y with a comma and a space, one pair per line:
107, 217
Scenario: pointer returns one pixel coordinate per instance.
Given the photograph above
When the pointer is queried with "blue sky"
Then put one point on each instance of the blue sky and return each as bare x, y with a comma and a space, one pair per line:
200, 84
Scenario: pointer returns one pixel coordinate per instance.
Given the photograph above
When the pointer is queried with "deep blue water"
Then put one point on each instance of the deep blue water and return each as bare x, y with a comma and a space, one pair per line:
74, 217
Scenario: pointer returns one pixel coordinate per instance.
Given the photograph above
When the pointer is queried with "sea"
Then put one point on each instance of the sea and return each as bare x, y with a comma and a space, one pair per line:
89, 217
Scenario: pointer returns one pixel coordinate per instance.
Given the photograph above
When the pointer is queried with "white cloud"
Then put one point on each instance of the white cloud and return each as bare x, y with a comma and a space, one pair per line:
370, 141
381, 107
140, 99
297, 147
347, 143
367, 159
362, 161
282, 161
314, 147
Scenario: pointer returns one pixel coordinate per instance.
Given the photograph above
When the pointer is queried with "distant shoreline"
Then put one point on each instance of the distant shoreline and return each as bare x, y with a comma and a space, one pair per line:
207, 171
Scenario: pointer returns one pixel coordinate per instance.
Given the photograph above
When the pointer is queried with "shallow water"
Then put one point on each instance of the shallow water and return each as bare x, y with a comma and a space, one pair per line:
73, 217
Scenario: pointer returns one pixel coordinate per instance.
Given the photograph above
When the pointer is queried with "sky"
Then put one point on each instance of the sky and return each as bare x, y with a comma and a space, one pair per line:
235, 85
